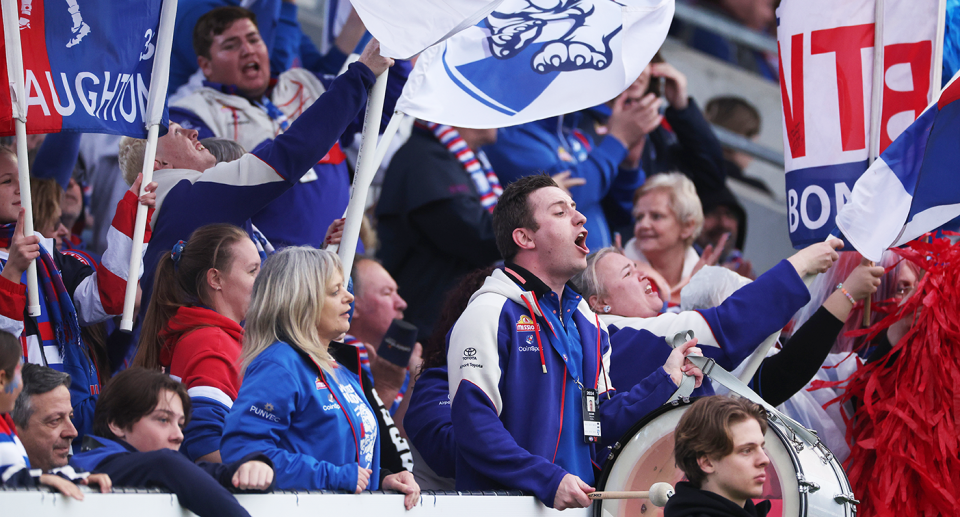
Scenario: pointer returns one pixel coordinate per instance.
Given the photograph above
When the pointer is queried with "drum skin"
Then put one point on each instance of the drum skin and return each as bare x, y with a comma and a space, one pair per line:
644, 456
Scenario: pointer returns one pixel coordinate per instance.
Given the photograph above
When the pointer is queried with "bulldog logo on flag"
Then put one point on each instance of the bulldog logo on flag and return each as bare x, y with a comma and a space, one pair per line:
532, 59
534, 45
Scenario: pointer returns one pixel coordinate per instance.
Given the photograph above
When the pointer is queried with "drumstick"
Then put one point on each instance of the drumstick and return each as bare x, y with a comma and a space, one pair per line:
658, 494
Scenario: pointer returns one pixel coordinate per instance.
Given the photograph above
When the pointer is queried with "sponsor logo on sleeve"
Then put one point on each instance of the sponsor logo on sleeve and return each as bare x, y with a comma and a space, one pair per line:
525, 324
470, 359
265, 411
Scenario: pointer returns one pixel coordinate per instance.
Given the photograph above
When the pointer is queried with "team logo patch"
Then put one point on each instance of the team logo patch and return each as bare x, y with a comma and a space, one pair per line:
529, 340
525, 324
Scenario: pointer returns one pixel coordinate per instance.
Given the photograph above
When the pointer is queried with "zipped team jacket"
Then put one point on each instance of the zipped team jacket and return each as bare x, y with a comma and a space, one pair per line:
507, 398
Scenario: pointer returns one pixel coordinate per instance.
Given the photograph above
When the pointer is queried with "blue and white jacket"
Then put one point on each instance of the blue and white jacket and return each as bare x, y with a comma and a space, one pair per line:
232, 192
316, 427
728, 333
511, 377
302, 214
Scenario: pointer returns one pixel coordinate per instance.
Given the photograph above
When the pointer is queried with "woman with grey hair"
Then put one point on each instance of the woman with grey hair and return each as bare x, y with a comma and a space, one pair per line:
668, 218
223, 149
297, 404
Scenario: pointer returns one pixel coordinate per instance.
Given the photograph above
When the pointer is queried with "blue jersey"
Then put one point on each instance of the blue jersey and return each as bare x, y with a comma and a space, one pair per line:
316, 426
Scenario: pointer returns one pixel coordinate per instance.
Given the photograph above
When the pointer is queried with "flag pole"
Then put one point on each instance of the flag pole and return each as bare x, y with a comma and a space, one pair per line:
876, 109
156, 99
366, 170
382, 146
938, 51
18, 102
384, 143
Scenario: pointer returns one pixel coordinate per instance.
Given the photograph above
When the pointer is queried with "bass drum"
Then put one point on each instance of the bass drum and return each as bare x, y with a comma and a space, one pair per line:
803, 480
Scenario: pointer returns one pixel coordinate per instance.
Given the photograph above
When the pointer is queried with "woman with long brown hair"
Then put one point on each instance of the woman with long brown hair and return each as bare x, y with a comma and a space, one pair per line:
192, 326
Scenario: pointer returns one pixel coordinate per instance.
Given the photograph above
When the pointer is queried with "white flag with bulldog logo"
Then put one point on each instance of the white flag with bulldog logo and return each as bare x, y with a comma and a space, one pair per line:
532, 59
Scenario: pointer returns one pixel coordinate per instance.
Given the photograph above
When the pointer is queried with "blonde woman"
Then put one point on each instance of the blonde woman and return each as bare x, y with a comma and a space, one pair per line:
298, 406
668, 219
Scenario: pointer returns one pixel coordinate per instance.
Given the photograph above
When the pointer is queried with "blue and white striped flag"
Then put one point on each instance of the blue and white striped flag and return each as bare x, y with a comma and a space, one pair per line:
913, 187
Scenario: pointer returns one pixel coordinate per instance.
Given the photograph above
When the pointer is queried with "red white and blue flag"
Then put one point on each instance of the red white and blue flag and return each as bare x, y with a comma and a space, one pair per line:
839, 112
87, 65
914, 187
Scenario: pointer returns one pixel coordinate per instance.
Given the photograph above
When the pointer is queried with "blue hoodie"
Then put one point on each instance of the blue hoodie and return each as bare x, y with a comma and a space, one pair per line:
317, 427
548, 146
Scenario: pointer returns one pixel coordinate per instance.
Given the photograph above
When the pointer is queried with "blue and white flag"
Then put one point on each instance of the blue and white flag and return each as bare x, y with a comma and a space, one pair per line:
87, 66
914, 187
532, 59
407, 27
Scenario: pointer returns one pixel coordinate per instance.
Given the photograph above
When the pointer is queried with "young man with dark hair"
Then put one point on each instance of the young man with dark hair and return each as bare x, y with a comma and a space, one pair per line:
139, 425
528, 360
719, 446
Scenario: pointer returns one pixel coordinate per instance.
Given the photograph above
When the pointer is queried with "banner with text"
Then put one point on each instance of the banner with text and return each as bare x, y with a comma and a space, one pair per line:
87, 65
826, 84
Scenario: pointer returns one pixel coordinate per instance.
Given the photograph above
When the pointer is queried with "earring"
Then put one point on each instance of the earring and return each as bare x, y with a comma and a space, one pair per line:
606, 309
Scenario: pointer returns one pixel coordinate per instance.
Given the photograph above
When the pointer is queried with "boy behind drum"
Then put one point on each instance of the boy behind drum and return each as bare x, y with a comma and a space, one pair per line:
719, 446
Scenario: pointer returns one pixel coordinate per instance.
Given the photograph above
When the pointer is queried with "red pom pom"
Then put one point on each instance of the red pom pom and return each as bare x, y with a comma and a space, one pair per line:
904, 436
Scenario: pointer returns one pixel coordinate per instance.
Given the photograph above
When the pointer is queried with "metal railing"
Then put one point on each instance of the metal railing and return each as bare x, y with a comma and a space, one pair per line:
725, 27
741, 143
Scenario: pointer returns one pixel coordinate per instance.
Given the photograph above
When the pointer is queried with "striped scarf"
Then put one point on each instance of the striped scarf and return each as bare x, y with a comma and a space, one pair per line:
264, 248
476, 165
59, 307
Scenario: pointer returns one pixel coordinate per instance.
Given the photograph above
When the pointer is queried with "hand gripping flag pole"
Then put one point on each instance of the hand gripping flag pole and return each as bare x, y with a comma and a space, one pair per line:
18, 101
155, 102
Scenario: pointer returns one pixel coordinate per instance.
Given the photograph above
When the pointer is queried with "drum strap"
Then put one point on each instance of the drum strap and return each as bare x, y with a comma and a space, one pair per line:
687, 382
711, 369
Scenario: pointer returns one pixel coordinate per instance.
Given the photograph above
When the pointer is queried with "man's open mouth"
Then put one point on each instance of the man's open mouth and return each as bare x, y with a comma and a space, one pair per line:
581, 241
